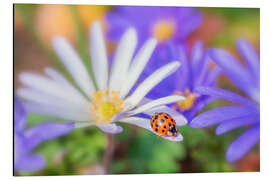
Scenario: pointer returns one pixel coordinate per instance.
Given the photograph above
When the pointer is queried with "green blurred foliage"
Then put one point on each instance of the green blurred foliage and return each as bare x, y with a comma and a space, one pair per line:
150, 153
206, 151
239, 23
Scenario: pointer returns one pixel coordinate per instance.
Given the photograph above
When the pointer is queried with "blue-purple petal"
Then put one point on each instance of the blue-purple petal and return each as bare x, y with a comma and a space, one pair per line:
200, 76
219, 115
233, 69
198, 106
225, 94
184, 71
196, 56
47, 131
19, 115
192, 23
240, 146
30, 163
236, 123
212, 75
251, 57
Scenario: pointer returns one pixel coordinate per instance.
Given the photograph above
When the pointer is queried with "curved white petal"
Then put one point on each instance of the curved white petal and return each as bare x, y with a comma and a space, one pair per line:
110, 128
98, 56
49, 87
137, 66
62, 81
157, 102
54, 105
65, 113
46, 99
73, 63
145, 123
151, 82
121, 61
179, 118
119, 116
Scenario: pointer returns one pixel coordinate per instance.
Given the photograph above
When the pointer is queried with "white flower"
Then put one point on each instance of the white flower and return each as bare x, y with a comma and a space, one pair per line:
111, 102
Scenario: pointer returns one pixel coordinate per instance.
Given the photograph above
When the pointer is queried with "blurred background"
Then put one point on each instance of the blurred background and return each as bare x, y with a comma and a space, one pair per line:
136, 150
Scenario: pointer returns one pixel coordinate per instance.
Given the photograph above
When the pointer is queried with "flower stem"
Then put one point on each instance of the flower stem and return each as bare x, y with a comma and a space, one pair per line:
108, 156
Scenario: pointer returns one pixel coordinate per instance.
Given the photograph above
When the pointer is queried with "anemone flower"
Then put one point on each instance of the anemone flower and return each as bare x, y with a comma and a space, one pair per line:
247, 112
163, 23
111, 101
26, 140
166, 24
195, 71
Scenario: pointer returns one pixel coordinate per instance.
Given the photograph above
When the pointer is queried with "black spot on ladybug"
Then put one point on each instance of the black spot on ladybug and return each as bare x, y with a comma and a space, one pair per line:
153, 121
165, 126
172, 120
162, 120
163, 131
156, 129
170, 124
156, 116
166, 117
157, 124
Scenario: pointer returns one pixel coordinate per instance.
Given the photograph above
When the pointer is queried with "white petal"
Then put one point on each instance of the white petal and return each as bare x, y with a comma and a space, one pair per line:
46, 99
65, 113
74, 65
62, 81
119, 116
54, 104
179, 118
110, 128
178, 137
82, 124
39, 97
157, 102
98, 56
145, 123
49, 87
121, 61
137, 66
151, 82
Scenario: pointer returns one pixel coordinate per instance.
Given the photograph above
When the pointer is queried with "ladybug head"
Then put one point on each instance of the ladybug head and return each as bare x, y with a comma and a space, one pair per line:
172, 131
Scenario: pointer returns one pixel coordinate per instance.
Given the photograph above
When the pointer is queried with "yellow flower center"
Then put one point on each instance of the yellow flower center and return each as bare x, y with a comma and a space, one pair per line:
107, 110
189, 102
104, 105
163, 30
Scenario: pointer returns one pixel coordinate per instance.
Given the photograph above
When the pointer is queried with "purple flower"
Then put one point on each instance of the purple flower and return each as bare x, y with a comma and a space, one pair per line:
163, 23
247, 112
195, 71
26, 140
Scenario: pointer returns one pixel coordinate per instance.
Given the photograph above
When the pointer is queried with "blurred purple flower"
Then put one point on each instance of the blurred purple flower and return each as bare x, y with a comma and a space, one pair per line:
247, 113
163, 23
195, 71
26, 140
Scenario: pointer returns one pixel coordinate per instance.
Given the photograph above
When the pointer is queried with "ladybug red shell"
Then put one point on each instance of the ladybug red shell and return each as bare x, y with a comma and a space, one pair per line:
163, 124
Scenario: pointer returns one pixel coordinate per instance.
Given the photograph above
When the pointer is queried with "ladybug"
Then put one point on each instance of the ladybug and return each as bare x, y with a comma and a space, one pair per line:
163, 124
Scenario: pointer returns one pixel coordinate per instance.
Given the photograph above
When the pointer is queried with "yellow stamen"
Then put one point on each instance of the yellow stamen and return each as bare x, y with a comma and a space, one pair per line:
189, 102
105, 105
107, 110
163, 30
